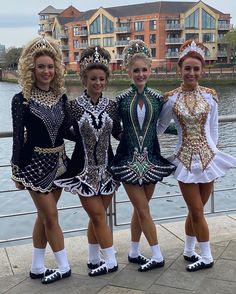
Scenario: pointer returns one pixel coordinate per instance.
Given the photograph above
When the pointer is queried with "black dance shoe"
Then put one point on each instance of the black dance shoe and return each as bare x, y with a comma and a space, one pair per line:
56, 276
140, 259
151, 264
46, 273
198, 265
91, 265
193, 258
102, 270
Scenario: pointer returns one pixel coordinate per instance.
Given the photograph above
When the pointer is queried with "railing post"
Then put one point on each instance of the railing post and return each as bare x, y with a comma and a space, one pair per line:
110, 214
213, 199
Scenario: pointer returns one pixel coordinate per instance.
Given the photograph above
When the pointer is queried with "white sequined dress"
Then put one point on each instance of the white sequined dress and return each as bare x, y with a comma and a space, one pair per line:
196, 155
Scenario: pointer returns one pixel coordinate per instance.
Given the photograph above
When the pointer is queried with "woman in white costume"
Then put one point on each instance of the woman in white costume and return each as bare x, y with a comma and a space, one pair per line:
198, 160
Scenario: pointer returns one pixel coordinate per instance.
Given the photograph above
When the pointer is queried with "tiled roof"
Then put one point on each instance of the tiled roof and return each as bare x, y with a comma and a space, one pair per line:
149, 8
63, 20
51, 10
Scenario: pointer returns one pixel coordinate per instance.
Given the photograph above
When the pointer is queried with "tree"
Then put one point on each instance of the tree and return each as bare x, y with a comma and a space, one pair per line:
12, 57
230, 40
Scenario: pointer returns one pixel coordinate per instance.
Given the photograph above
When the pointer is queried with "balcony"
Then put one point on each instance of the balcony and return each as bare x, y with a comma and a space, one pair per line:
81, 45
81, 33
64, 47
224, 27
65, 59
119, 57
63, 35
172, 55
45, 28
174, 27
222, 53
124, 29
174, 41
121, 43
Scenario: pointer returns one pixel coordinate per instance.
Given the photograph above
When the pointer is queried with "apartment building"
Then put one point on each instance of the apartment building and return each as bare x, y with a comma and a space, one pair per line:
163, 25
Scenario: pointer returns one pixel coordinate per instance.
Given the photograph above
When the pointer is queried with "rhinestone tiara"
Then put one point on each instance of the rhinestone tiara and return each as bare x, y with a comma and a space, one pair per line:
135, 47
42, 44
193, 47
96, 57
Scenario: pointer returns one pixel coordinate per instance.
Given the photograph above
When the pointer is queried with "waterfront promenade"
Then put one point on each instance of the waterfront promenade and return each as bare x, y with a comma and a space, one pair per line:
172, 279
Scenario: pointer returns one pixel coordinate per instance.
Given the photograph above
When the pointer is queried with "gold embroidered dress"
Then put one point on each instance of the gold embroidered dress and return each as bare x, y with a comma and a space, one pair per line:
196, 156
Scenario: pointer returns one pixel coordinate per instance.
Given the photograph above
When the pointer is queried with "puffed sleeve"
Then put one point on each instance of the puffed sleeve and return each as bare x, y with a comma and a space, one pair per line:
117, 128
164, 117
214, 120
68, 132
18, 110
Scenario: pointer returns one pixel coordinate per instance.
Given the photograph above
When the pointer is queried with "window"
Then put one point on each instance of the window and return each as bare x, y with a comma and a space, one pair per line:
76, 44
191, 22
207, 52
152, 25
139, 26
95, 26
108, 42
208, 37
95, 41
108, 26
152, 39
75, 31
208, 21
76, 56
191, 36
139, 37
154, 52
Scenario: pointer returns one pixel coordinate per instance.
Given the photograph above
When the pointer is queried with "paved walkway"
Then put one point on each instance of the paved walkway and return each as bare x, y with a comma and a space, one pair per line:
172, 279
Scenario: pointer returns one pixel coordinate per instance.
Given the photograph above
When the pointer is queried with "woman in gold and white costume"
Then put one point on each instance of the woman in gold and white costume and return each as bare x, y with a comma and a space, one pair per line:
197, 158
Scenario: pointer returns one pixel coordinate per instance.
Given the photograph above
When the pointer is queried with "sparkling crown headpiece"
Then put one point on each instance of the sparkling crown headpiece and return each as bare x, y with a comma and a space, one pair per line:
96, 57
193, 47
42, 44
135, 47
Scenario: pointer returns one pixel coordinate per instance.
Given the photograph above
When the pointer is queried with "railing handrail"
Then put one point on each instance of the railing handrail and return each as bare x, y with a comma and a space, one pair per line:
112, 210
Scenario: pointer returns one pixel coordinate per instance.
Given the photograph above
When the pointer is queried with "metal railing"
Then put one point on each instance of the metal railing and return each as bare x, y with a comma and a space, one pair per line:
112, 210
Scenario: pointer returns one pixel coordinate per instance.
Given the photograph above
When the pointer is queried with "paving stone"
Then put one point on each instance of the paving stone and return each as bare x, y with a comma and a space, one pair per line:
224, 269
230, 250
5, 268
157, 289
118, 290
212, 286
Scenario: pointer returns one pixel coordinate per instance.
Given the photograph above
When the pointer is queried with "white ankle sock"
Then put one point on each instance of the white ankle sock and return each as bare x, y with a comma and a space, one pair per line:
37, 266
62, 261
109, 256
156, 253
93, 253
134, 249
189, 246
205, 251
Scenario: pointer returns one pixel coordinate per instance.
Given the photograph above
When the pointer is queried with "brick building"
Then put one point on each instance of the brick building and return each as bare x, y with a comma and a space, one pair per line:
163, 25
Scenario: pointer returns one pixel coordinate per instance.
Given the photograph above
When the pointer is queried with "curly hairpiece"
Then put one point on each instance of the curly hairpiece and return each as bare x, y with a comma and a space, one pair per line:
36, 48
136, 47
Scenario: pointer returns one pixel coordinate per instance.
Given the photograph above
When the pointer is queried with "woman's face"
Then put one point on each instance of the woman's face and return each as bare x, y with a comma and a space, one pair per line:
191, 72
95, 82
44, 71
140, 72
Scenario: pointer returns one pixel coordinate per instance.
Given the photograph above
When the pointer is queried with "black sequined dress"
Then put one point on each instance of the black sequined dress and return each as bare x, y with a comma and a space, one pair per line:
39, 126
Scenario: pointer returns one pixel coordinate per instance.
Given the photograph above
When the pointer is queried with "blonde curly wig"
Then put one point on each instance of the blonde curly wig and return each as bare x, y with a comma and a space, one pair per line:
26, 65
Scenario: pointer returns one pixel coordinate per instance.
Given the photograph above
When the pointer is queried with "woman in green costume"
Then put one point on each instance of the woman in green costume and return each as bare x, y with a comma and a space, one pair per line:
138, 163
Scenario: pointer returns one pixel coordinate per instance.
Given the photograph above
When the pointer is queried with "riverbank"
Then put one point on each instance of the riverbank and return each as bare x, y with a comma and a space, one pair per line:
211, 77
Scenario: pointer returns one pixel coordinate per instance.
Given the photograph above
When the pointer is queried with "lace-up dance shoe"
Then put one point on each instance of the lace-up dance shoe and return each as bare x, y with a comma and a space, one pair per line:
102, 270
151, 264
140, 259
198, 265
46, 273
193, 258
91, 265
56, 276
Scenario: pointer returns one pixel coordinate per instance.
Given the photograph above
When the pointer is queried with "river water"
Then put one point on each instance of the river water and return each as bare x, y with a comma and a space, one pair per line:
20, 201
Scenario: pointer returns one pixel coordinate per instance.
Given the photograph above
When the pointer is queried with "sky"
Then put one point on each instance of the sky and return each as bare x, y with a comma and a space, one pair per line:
19, 18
